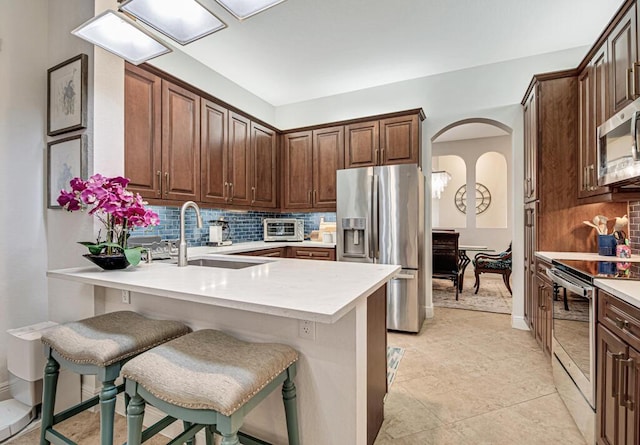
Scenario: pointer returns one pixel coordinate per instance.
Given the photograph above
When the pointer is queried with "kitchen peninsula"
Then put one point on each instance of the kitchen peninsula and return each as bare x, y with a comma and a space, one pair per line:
341, 377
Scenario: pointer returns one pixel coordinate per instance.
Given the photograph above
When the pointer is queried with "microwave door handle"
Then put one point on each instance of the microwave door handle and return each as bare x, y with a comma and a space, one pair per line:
634, 135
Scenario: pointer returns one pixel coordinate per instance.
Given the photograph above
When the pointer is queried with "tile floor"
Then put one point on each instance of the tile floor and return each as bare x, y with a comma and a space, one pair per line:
468, 378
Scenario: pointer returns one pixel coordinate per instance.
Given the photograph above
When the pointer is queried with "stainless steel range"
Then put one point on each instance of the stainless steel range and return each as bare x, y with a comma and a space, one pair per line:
574, 339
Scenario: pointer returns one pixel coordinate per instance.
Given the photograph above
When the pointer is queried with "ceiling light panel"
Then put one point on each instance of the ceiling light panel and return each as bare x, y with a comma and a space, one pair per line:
243, 9
121, 36
184, 21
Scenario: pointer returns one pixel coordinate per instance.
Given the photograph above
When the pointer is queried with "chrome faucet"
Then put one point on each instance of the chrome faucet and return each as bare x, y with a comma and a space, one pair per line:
182, 246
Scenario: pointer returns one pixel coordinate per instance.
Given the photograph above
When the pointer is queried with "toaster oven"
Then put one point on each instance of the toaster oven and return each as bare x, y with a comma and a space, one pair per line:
283, 229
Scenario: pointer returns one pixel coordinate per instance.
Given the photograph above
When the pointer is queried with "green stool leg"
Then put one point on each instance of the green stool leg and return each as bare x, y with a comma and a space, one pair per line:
230, 439
208, 433
107, 411
51, 371
290, 411
135, 415
187, 425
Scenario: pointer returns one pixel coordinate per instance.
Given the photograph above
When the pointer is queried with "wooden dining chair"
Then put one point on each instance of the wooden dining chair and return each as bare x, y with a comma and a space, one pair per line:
446, 257
499, 263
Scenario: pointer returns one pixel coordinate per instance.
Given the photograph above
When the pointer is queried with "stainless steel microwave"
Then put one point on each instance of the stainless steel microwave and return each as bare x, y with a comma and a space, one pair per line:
618, 155
283, 229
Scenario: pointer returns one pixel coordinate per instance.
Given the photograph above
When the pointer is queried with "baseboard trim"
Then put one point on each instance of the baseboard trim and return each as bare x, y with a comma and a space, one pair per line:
518, 322
4, 391
428, 311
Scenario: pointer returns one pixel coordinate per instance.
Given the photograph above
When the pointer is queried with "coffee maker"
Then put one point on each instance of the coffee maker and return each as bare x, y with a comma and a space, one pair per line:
219, 233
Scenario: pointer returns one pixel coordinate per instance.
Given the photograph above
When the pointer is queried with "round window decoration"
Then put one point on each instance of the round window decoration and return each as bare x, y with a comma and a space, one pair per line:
483, 198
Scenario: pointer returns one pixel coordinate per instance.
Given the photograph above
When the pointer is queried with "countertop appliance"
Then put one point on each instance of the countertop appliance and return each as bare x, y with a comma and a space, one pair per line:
618, 155
283, 229
219, 233
380, 219
574, 338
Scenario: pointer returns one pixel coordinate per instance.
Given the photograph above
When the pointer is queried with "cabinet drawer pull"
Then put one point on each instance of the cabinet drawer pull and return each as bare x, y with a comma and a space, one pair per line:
166, 177
159, 183
615, 369
626, 399
226, 191
231, 194
253, 195
622, 324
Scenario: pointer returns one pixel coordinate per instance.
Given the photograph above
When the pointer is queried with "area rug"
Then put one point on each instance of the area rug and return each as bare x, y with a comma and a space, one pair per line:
493, 295
394, 355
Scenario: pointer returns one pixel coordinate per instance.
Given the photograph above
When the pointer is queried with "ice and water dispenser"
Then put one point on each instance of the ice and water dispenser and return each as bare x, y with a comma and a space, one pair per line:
354, 237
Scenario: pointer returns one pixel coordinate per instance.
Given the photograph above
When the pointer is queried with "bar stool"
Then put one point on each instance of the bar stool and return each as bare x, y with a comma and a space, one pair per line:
97, 346
209, 380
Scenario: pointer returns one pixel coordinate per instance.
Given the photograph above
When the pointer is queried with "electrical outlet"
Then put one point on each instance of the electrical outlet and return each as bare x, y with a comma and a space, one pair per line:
126, 297
307, 329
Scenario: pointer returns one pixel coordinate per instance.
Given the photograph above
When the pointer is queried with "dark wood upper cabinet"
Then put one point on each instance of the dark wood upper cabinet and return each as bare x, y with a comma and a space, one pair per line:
623, 55
180, 143
311, 159
264, 161
328, 157
593, 107
143, 135
239, 159
297, 187
362, 144
530, 146
400, 140
213, 152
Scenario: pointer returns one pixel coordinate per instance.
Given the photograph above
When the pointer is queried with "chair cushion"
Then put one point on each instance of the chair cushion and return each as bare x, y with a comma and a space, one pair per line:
209, 369
109, 338
493, 264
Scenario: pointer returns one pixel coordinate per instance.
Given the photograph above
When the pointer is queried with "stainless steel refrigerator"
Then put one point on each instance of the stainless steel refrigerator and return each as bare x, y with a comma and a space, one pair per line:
380, 219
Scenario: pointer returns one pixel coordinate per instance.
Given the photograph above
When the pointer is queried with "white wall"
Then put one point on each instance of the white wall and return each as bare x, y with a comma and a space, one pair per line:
23, 64
444, 214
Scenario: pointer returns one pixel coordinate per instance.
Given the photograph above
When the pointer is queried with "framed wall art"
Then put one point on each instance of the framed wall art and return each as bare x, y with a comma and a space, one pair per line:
66, 159
67, 96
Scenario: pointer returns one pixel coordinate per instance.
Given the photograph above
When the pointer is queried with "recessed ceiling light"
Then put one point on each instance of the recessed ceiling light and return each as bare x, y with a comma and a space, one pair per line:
121, 36
243, 9
183, 21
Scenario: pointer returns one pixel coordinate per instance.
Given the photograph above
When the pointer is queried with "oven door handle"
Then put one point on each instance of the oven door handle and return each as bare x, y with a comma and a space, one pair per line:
564, 281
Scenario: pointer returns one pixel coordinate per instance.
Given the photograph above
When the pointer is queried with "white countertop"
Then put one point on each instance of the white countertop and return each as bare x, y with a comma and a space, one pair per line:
628, 291
321, 291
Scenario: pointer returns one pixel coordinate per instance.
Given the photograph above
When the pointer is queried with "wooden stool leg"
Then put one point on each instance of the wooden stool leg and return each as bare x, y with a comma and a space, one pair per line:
230, 439
107, 411
51, 371
135, 415
290, 409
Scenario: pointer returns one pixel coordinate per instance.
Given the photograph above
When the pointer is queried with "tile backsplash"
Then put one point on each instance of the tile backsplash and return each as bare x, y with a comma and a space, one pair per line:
634, 227
244, 225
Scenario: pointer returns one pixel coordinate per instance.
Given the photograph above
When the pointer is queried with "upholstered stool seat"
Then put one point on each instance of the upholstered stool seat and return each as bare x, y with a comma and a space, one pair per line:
98, 346
493, 263
210, 380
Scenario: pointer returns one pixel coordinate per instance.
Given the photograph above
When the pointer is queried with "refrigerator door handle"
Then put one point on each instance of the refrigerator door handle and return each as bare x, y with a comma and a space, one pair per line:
375, 219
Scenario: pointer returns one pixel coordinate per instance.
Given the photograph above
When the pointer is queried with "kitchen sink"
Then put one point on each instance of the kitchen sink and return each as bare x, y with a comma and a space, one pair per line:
224, 263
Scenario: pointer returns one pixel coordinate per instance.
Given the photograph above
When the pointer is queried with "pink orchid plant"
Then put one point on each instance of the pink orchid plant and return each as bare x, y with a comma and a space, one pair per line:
117, 209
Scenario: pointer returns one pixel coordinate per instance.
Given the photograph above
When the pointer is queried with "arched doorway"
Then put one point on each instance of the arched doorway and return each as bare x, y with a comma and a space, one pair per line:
485, 147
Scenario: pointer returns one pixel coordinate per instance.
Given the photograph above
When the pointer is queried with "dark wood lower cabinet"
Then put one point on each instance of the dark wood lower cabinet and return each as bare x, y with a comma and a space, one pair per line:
312, 253
376, 361
301, 253
617, 372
